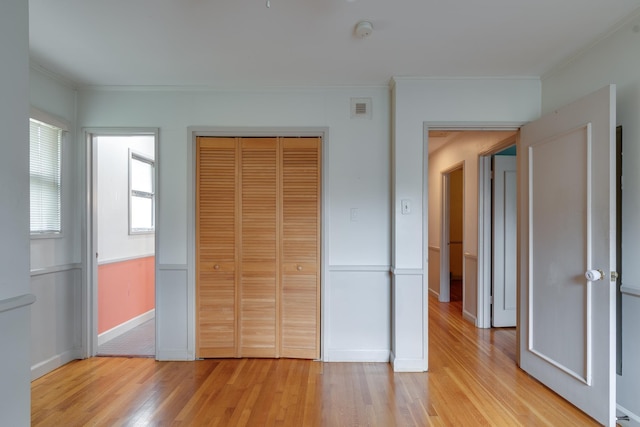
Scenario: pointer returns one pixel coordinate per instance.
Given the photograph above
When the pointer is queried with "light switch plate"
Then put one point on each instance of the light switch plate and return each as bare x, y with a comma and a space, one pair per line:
406, 206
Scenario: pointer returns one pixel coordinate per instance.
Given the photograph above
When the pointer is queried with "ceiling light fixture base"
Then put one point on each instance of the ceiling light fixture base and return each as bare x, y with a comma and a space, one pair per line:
363, 29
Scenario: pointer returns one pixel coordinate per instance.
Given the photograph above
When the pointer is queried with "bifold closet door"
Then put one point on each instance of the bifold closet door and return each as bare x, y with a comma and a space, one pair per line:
259, 247
216, 248
300, 243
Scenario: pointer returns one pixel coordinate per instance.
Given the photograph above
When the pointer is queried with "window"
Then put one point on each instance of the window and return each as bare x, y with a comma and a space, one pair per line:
141, 194
45, 146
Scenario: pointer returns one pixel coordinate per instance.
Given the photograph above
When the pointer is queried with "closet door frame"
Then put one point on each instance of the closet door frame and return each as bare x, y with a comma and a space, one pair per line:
195, 131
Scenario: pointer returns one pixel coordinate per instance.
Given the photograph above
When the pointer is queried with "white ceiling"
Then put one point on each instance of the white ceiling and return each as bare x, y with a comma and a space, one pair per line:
441, 138
242, 43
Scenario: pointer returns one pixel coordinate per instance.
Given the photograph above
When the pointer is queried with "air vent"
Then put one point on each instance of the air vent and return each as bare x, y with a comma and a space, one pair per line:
361, 108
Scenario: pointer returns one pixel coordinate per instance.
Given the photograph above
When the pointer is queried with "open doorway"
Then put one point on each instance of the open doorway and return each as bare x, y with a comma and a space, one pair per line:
449, 151
452, 276
456, 233
123, 229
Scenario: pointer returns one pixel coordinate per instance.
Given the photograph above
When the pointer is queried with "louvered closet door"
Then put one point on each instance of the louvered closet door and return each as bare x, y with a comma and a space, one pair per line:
216, 249
258, 248
300, 247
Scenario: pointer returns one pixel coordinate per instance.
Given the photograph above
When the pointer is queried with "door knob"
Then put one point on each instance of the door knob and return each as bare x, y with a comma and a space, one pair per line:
594, 275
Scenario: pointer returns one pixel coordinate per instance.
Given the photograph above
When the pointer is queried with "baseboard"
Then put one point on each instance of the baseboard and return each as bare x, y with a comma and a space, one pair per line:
54, 362
634, 419
174, 355
434, 293
469, 317
407, 365
126, 326
358, 356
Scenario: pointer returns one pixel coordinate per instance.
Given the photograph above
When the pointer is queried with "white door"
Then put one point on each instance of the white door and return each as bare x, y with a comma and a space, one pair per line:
504, 241
567, 336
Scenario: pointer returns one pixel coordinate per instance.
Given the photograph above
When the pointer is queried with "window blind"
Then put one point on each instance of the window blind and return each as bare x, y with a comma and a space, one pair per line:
45, 143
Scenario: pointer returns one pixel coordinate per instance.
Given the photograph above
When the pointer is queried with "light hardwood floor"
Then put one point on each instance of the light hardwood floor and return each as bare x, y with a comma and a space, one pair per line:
473, 380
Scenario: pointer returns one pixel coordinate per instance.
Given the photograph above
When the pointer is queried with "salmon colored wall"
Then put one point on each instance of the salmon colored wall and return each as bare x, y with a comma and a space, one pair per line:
125, 290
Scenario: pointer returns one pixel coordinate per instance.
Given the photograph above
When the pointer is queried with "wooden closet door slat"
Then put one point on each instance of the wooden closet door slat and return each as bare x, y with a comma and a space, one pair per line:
300, 247
216, 247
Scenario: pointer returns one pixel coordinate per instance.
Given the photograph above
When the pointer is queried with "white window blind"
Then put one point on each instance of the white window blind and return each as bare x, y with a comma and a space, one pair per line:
45, 144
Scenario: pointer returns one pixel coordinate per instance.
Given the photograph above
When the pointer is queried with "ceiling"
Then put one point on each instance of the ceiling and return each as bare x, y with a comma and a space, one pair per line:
441, 138
244, 43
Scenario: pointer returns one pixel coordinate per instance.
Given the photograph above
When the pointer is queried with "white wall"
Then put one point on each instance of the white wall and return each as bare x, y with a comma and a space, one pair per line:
356, 167
15, 401
56, 277
615, 59
416, 101
57, 99
114, 241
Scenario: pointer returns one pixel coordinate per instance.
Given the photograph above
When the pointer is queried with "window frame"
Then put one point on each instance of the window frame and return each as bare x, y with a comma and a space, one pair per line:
138, 156
47, 119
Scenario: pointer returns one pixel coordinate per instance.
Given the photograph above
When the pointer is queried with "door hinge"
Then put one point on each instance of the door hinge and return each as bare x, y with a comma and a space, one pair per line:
614, 276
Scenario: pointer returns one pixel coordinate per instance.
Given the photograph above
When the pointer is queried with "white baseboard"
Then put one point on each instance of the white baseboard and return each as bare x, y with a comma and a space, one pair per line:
434, 293
469, 317
634, 419
407, 365
54, 362
358, 356
174, 355
125, 327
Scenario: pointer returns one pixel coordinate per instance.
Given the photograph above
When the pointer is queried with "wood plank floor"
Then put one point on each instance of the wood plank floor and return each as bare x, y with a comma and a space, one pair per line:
473, 381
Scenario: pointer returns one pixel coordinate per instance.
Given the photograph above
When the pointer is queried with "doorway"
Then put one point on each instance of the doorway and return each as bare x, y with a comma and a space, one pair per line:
123, 242
456, 233
451, 150
452, 261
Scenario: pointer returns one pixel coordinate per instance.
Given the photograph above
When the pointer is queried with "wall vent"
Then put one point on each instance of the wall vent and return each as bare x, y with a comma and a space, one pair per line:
361, 108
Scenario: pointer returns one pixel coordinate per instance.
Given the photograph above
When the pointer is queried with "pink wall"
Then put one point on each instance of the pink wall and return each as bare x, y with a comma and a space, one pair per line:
125, 290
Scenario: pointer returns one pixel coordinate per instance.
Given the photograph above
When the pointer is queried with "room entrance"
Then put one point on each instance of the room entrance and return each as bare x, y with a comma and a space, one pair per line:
122, 244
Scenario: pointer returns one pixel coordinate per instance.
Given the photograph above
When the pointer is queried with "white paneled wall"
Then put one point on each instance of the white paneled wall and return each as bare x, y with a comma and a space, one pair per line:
365, 290
470, 299
453, 102
56, 264
174, 299
56, 319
